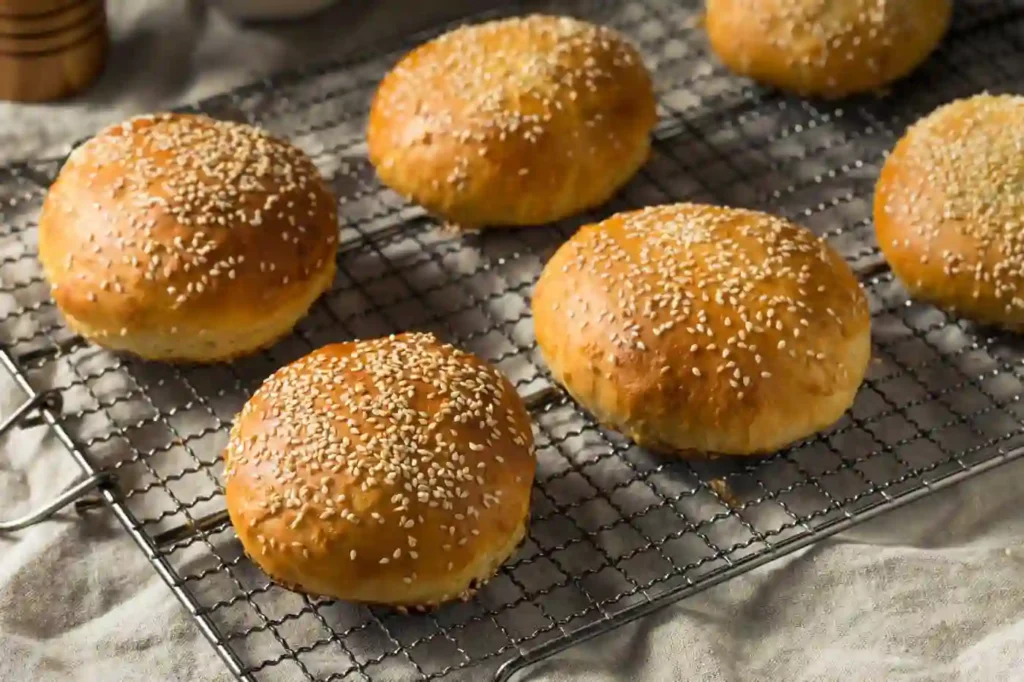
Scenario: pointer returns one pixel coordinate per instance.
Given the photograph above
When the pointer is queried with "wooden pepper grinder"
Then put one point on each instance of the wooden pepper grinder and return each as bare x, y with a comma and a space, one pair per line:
50, 49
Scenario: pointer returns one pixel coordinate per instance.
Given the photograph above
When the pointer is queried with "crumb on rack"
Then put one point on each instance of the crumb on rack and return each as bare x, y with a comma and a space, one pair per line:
724, 491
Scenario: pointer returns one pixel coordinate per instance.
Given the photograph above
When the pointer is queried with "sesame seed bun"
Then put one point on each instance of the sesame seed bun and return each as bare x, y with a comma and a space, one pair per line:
699, 329
178, 237
394, 471
514, 122
830, 48
949, 209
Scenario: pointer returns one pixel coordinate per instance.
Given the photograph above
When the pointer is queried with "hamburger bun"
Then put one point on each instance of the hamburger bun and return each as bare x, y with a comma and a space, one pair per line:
949, 209
699, 329
513, 122
829, 48
178, 237
395, 471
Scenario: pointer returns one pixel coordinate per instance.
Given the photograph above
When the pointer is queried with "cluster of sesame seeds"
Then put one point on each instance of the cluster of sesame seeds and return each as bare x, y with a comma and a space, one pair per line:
210, 178
967, 158
406, 419
743, 286
504, 79
814, 33
832, 24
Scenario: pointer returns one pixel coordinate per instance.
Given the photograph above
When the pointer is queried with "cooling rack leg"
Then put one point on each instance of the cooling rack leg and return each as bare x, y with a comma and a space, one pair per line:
19, 416
23, 417
71, 494
38, 410
44, 409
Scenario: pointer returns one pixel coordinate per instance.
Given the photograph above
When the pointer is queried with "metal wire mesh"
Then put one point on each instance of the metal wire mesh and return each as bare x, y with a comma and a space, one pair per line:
615, 531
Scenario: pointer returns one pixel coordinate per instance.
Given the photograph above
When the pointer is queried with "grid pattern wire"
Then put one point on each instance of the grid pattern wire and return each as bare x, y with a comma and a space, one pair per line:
615, 532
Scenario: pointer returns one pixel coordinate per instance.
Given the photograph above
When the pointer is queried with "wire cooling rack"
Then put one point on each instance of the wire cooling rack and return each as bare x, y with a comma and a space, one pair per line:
616, 532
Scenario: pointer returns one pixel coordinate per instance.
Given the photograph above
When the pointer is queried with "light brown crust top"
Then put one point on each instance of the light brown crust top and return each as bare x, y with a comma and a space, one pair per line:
949, 209
394, 471
830, 48
699, 328
172, 226
511, 122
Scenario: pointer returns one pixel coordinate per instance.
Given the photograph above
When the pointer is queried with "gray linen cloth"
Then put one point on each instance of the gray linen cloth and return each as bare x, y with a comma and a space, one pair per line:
931, 592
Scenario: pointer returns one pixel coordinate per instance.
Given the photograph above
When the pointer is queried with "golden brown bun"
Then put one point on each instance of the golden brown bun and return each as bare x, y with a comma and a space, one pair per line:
830, 48
178, 237
395, 471
514, 122
949, 209
704, 329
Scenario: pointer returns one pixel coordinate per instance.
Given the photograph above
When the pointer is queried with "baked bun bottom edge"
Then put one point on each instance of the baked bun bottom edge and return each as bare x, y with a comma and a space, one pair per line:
210, 347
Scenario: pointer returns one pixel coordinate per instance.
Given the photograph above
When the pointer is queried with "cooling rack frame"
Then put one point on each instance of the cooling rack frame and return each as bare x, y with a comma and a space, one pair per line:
720, 139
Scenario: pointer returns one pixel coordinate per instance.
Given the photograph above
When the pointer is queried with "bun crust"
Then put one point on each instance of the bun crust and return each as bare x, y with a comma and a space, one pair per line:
394, 471
949, 209
178, 237
830, 48
704, 329
514, 122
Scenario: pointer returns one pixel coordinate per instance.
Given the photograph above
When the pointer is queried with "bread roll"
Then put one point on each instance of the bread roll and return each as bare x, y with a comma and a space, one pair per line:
699, 329
830, 48
514, 122
181, 238
395, 471
949, 209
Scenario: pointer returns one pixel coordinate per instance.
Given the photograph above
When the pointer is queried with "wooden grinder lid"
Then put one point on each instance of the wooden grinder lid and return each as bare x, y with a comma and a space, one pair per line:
50, 48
